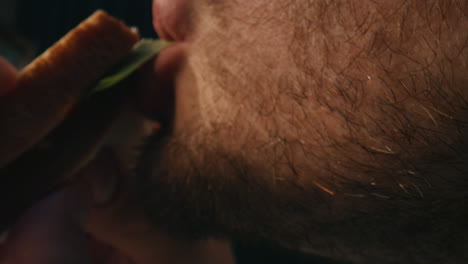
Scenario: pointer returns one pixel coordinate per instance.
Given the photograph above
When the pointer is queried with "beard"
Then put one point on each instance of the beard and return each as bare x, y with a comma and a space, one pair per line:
194, 189
299, 182
202, 190
321, 145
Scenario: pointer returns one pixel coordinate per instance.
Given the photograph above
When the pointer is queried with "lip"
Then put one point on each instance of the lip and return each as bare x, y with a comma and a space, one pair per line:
171, 19
156, 99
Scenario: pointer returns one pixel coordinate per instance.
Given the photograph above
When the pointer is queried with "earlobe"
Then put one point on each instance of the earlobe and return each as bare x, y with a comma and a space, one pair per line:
8, 76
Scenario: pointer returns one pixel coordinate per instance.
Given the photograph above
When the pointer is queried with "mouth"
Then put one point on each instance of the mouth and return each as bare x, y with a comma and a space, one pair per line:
170, 21
156, 100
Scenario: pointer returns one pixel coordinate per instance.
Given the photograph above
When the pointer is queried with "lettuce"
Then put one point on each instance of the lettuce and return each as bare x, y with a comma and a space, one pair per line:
142, 52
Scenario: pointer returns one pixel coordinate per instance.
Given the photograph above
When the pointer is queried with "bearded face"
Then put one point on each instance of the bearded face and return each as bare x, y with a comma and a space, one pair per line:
322, 125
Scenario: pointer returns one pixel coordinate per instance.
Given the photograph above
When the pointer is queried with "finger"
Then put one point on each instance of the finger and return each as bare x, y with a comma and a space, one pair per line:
8, 76
50, 232
124, 235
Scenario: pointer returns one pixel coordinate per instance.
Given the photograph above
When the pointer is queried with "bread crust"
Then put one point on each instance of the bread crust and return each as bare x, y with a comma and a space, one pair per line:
53, 163
51, 86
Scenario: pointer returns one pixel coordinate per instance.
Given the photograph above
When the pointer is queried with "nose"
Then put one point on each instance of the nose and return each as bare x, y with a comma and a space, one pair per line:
171, 18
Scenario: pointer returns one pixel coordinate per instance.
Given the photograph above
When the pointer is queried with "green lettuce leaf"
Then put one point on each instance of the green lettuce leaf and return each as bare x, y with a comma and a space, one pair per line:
142, 52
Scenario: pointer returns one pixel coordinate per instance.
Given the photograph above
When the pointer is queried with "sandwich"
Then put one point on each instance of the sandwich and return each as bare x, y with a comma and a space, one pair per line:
63, 106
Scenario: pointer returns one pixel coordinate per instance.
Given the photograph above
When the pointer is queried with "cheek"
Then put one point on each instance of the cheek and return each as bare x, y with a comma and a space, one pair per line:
237, 80
240, 51
241, 95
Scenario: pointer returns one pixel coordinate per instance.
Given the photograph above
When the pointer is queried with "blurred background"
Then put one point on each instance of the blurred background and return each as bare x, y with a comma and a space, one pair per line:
28, 27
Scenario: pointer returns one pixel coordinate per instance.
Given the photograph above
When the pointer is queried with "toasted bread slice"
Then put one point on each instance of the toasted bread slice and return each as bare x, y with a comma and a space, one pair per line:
52, 85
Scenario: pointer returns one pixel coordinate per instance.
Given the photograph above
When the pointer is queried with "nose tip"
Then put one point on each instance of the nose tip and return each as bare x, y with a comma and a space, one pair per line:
171, 19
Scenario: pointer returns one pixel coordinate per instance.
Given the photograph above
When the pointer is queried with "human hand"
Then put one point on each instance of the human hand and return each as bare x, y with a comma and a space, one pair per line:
65, 226
49, 232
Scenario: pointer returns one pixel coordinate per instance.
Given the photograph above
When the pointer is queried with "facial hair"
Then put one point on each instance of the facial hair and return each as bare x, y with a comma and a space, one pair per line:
320, 144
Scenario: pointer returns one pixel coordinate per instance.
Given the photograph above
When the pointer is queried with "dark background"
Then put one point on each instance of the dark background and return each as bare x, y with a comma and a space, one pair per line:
42, 22
28, 27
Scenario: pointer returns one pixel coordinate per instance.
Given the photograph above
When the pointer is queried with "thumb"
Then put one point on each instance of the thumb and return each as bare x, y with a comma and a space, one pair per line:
49, 232
8, 76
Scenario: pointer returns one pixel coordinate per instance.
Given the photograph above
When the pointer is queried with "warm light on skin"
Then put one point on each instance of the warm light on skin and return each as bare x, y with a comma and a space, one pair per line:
8, 76
307, 114
334, 127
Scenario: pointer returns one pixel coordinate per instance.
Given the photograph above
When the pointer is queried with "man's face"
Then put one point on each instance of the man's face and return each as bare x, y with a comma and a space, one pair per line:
315, 124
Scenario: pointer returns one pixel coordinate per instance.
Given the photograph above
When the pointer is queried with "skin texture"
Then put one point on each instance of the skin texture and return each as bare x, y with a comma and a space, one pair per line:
336, 127
51, 231
78, 225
